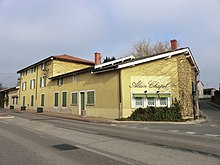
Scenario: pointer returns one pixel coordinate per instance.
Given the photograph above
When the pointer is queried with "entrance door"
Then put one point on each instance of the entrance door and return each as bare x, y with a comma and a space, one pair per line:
82, 103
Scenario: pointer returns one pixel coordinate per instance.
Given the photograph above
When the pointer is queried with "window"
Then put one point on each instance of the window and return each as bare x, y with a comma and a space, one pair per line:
163, 101
91, 97
23, 100
43, 81
42, 100
74, 77
43, 66
56, 99
32, 100
32, 84
60, 81
13, 100
64, 99
34, 69
139, 102
151, 101
16, 100
74, 98
24, 86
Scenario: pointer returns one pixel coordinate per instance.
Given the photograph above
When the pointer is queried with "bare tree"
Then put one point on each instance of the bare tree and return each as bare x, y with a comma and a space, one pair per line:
145, 48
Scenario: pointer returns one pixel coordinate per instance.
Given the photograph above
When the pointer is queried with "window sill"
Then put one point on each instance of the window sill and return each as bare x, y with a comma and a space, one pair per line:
90, 104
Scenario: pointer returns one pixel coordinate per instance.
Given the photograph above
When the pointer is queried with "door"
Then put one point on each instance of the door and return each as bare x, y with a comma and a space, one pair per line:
82, 103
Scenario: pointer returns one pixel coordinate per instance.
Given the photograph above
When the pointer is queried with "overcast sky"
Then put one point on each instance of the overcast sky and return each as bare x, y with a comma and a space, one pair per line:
31, 30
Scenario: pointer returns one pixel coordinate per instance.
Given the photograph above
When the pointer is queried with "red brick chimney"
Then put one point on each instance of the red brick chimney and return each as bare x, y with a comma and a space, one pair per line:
97, 58
173, 44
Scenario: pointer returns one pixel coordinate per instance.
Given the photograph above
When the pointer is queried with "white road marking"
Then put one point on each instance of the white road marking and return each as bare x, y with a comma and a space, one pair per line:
174, 131
192, 133
33, 131
211, 135
4, 122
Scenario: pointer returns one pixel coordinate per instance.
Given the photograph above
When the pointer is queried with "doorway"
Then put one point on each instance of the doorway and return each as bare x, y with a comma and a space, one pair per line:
82, 104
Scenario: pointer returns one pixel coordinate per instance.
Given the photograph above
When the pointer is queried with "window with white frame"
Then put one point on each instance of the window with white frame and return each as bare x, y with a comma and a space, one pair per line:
43, 81
163, 101
90, 97
139, 102
32, 84
74, 100
24, 84
151, 101
43, 66
34, 69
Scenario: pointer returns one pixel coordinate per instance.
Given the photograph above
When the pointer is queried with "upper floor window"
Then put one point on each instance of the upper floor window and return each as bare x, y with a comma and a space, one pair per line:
32, 84
24, 84
34, 69
74, 77
43, 81
60, 81
43, 66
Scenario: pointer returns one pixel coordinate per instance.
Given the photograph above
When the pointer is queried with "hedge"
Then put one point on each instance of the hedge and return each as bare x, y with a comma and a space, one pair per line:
157, 114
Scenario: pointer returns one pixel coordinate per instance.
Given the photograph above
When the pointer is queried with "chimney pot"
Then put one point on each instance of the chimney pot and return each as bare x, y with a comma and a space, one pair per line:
173, 44
97, 58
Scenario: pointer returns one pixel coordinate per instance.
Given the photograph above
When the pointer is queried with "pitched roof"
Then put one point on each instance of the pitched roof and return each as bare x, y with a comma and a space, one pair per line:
63, 57
73, 59
132, 62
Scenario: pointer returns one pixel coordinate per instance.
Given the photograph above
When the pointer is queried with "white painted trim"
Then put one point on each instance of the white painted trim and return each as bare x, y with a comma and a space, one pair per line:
169, 54
114, 61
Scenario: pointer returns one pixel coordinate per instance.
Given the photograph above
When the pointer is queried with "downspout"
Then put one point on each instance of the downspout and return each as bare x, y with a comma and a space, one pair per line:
120, 96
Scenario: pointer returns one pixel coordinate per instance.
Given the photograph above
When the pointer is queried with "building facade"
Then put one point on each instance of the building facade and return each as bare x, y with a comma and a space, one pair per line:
10, 98
113, 89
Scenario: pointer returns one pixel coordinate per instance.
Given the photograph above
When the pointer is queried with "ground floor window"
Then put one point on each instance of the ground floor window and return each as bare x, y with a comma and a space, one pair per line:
74, 98
23, 100
64, 99
42, 100
151, 100
90, 97
139, 101
56, 99
32, 100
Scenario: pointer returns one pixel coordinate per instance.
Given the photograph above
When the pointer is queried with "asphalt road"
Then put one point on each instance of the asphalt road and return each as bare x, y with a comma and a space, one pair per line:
36, 139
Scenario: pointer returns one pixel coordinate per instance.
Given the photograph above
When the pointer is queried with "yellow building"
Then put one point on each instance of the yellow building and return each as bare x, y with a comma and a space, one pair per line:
113, 89
11, 98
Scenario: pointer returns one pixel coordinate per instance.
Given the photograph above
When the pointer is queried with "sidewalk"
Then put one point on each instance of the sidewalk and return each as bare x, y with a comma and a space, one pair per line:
106, 120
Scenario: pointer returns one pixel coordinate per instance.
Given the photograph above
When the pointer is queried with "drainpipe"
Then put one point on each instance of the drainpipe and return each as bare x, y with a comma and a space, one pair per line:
120, 96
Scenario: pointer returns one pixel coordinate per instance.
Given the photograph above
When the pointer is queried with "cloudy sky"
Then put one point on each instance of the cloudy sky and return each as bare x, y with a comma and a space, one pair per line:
31, 30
